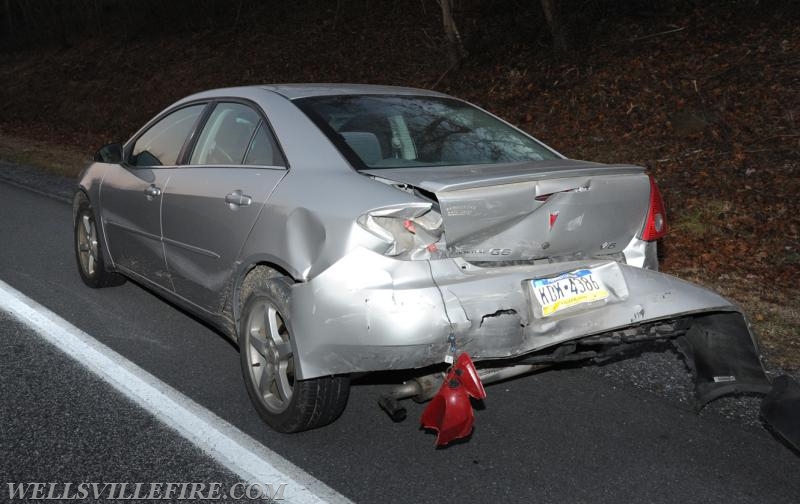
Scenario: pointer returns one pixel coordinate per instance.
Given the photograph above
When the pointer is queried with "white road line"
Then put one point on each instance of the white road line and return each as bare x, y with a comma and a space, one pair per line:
232, 448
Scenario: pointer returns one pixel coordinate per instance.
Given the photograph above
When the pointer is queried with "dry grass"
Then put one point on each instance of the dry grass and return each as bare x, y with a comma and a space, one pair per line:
56, 159
776, 324
695, 221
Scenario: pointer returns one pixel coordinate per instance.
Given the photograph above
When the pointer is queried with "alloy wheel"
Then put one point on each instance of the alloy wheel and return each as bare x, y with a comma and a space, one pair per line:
87, 244
270, 355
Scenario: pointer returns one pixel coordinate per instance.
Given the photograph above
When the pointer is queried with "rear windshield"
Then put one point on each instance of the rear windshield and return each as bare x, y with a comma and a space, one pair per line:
408, 131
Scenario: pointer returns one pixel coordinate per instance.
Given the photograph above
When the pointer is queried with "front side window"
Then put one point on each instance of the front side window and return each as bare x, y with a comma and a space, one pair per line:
226, 135
407, 131
162, 143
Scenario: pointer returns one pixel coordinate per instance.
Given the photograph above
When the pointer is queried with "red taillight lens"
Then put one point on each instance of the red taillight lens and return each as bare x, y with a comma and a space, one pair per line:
656, 224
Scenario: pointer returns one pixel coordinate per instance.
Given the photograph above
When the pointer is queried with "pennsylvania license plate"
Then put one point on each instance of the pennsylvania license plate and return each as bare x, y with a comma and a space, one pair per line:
567, 290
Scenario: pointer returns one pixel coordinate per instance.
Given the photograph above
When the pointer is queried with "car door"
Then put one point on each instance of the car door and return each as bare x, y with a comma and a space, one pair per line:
212, 202
131, 197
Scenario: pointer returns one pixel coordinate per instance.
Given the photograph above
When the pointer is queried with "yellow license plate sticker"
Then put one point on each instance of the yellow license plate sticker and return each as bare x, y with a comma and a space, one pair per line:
568, 290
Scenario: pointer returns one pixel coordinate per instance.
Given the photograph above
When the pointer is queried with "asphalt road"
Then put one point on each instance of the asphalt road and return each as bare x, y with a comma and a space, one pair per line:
559, 436
61, 423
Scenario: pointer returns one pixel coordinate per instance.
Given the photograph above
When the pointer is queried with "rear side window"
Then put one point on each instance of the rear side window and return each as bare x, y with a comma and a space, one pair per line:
161, 144
226, 135
264, 151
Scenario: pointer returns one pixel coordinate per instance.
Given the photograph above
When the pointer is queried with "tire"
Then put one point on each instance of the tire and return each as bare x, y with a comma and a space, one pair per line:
88, 255
267, 361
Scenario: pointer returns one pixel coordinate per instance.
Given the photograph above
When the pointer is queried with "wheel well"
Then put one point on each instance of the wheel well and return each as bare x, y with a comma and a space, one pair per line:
80, 196
256, 274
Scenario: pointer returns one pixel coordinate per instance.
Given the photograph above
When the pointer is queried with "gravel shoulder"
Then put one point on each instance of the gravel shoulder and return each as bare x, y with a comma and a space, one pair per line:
660, 370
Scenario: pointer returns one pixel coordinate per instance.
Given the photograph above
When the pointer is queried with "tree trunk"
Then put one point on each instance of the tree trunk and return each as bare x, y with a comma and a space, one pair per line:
455, 49
555, 25
63, 27
9, 21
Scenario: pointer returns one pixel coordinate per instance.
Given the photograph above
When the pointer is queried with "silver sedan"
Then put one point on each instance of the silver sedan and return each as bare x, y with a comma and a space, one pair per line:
331, 230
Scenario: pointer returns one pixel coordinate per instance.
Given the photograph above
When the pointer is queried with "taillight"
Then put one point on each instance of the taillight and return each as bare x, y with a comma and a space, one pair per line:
656, 224
410, 232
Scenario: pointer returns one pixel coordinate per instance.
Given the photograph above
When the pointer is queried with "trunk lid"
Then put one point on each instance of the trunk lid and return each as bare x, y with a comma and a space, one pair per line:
555, 210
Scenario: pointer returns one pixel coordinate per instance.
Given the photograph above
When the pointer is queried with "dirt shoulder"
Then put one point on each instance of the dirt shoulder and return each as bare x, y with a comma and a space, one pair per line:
60, 160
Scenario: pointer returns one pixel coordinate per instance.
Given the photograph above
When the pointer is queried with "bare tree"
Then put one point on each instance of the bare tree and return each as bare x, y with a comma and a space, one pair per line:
9, 21
455, 48
556, 26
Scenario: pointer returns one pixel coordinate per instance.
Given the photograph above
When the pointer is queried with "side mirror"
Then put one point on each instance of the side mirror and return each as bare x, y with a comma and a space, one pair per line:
111, 153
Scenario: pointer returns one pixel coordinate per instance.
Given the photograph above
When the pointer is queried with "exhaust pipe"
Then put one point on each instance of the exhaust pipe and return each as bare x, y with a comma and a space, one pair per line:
389, 402
423, 388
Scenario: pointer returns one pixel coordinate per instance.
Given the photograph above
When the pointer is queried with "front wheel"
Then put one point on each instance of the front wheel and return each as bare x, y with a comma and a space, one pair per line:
267, 351
87, 250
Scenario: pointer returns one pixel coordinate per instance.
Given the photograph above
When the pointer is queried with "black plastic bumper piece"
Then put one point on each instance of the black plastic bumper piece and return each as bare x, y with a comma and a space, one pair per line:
723, 357
780, 409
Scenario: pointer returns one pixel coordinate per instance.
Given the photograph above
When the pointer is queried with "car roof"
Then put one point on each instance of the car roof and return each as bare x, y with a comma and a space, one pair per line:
293, 91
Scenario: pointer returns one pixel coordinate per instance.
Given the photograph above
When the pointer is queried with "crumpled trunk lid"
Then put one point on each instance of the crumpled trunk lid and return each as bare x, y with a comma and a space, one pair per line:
561, 209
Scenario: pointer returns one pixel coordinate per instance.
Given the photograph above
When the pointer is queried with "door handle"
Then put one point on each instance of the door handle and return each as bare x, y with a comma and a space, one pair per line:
237, 199
152, 191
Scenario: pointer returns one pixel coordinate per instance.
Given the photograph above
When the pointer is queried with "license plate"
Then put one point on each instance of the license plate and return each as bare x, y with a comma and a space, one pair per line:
567, 290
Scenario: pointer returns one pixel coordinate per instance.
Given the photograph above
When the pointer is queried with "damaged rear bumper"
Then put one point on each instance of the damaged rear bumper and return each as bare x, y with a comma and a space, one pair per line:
369, 312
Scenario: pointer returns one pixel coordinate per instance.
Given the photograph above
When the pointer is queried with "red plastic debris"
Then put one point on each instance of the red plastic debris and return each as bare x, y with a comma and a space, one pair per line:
432, 248
450, 411
409, 225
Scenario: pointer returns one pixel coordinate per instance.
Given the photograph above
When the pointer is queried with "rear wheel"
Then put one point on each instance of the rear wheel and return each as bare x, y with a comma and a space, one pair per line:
268, 352
87, 250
